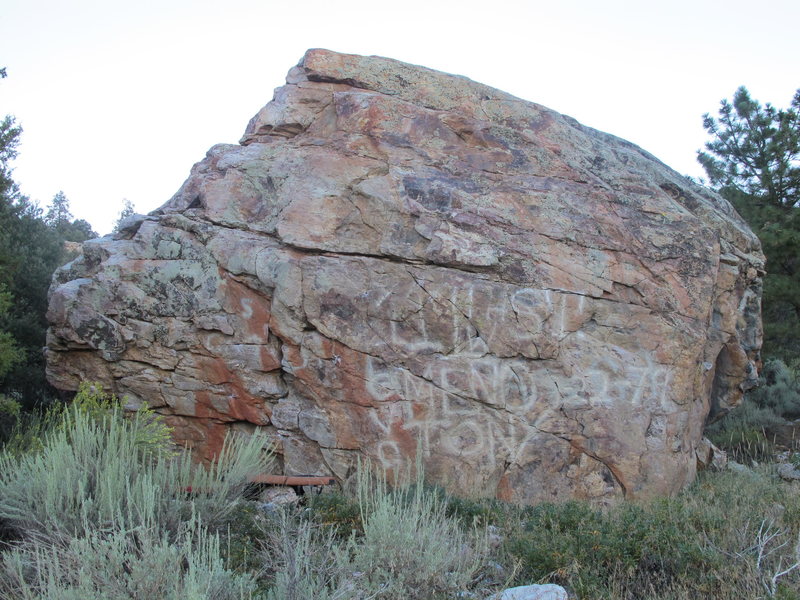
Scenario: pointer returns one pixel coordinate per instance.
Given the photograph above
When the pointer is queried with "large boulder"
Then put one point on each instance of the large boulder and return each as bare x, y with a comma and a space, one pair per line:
397, 261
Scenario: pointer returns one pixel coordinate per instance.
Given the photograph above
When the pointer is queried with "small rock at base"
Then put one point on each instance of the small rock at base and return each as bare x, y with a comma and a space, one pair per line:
533, 592
279, 495
710, 457
788, 472
738, 467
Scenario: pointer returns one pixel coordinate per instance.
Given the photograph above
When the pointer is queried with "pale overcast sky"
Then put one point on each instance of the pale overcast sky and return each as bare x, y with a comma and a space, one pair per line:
118, 99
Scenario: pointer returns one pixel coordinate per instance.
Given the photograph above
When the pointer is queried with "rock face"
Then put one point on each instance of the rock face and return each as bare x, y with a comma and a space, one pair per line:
396, 260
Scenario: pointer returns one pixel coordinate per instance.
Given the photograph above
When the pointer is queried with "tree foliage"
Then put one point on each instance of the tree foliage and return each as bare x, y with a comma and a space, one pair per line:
58, 212
60, 218
29, 253
753, 160
755, 149
9, 140
128, 210
10, 353
31, 248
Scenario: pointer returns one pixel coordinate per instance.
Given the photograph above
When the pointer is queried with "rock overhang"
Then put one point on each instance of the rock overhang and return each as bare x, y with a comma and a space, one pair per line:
397, 260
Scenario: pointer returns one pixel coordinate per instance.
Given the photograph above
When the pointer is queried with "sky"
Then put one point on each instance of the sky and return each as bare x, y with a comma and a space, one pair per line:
118, 99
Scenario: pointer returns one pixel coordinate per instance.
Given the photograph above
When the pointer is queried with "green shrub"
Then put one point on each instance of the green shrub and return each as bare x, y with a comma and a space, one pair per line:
29, 429
304, 561
101, 496
469, 511
383, 543
744, 443
697, 545
579, 546
338, 511
410, 548
750, 431
139, 564
99, 472
152, 434
9, 416
779, 390
245, 530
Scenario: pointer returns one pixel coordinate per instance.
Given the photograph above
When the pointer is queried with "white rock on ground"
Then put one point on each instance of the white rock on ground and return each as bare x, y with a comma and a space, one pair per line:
533, 592
788, 472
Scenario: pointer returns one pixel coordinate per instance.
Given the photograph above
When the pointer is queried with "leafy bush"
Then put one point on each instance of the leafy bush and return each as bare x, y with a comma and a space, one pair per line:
152, 434
29, 428
338, 511
9, 416
780, 390
27, 431
469, 511
701, 544
245, 528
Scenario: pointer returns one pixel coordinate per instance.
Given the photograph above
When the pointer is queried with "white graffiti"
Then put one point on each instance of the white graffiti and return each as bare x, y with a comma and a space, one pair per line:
486, 408
509, 319
637, 381
429, 410
472, 382
510, 384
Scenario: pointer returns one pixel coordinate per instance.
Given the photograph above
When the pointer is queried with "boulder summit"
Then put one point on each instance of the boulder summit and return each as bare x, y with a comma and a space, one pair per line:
396, 261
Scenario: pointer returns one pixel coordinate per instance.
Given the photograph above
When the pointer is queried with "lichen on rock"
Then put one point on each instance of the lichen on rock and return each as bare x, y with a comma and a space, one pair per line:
396, 260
